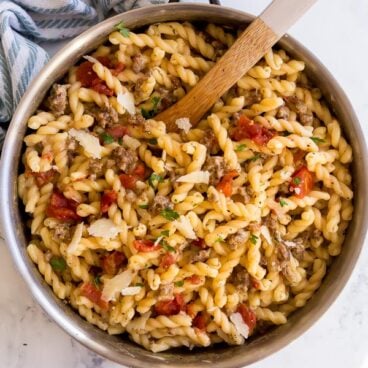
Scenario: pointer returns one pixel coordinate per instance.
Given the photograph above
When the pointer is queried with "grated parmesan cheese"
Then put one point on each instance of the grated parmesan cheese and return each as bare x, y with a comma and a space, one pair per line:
126, 100
297, 191
185, 227
130, 142
183, 124
131, 290
89, 142
239, 324
290, 244
115, 285
195, 177
158, 240
77, 236
103, 228
266, 234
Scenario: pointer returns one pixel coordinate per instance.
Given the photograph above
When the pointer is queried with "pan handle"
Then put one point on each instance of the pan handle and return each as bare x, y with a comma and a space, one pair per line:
215, 2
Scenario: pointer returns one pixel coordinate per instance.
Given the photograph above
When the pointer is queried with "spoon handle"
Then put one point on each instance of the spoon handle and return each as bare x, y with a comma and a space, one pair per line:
247, 50
280, 15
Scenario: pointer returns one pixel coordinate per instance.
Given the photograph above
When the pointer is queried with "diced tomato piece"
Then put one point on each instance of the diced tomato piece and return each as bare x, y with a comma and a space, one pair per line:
246, 128
200, 243
301, 182
226, 187
58, 200
105, 61
86, 75
180, 300
62, 214
167, 260
62, 208
298, 156
128, 181
101, 87
201, 321
232, 174
112, 262
108, 198
94, 295
167, 308
118, 68
249, 317
139, 170
43, 178
117, 131
170, 307
194, 279
145, 245
138, 173
226, 183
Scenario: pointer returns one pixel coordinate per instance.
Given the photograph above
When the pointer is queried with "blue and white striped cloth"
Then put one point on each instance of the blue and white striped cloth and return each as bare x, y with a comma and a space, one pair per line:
25, 23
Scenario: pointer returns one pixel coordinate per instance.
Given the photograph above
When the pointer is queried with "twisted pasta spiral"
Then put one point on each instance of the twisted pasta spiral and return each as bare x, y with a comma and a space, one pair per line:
167, 236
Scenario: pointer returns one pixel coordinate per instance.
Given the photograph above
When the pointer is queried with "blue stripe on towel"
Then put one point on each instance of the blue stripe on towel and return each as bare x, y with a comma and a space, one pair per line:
24, 22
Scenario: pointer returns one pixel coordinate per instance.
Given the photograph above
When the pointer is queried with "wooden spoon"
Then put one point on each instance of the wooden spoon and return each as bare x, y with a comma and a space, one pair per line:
247, 50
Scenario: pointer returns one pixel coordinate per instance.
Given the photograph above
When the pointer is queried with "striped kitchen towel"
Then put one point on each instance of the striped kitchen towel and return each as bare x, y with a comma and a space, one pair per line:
25, 23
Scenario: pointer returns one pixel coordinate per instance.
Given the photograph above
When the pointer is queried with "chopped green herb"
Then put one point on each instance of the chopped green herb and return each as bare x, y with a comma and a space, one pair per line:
154, 179
148, 114
253, 239
282, 202
255, 157
179, 283
155, 101
220, 239
58, 264
165, 233
317, 140
169, 214
297, 180
97, 280
107, 138
240, 147
167, 247
120, 141
143, 206
153, 141
139, 284
122, 29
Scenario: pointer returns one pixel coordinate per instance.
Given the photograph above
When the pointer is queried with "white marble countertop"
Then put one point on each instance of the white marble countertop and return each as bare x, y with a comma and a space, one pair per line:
336, 31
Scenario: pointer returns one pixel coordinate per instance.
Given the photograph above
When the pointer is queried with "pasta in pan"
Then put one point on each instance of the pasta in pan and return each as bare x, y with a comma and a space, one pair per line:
204, 235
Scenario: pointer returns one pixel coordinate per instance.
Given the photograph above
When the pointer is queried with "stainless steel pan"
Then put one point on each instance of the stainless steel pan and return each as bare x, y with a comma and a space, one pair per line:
117, 348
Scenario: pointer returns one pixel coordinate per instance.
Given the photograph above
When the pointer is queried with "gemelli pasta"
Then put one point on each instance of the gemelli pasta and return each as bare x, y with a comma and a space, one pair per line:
191, 237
